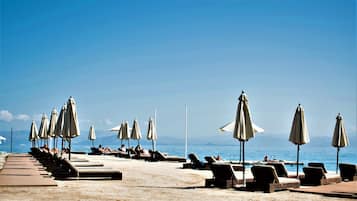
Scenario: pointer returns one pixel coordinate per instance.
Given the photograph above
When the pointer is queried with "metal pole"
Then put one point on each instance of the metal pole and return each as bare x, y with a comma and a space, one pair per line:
338, 150
11, 142
185, 132
297, 162
243, 165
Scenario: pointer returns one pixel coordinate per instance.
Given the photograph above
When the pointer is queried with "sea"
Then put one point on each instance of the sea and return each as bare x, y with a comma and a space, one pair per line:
275, 146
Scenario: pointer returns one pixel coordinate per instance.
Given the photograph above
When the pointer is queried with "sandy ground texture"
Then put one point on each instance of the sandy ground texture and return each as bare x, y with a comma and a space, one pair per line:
146, 181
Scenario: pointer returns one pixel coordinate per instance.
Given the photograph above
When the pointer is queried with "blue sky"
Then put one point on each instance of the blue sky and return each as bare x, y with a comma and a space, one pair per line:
121, 60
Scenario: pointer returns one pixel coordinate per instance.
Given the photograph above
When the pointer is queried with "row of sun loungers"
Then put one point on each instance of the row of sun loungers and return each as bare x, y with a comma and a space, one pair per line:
270, 176
131, 153
62, 168
274, 176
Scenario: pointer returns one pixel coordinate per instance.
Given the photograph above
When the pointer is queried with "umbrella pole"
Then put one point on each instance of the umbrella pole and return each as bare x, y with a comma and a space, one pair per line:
62, 146
338, 150
240, 151
243, 165
54, 143
297, 162
69, 151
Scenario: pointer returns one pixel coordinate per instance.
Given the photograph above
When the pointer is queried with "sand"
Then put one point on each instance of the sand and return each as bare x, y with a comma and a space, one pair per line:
145, 181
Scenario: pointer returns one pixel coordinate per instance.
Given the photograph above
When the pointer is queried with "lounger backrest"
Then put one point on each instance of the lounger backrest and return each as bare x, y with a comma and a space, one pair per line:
193, 157
223, 171
314, 173
348, 171
264, 174
210, 159
318, 165
279, 168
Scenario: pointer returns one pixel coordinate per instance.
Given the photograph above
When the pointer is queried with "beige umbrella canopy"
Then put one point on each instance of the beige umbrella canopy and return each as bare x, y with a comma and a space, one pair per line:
52, 126
59, 124
44, 128
71, 125
120, 132
152, 134
91, 135
136, 132
33, 136
299, 134
125, 132
243, 129
339, 138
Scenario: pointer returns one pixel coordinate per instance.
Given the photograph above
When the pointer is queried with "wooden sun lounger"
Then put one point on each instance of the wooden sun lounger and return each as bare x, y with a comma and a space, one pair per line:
69, 171
317, 176
348, 172
196, 163
223, 176
162, 157
267, 180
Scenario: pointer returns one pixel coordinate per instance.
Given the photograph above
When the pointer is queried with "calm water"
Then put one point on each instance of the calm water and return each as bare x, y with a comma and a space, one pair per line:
276, 147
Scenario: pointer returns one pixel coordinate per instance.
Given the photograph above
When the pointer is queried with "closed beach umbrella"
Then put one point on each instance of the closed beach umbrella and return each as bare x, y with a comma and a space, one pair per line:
125, 130
299, 134
229, 127
339, 138
136, 132
71, 125
152, 134
59, 124
120, 133
91, 135
43, 132
52, 126
33, 136
243, 129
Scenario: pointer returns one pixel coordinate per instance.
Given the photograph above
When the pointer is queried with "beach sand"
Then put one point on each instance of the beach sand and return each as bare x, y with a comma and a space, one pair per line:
145, 181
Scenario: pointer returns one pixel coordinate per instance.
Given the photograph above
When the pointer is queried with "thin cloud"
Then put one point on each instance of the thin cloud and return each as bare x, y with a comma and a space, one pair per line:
108, 122
23, 117
6, 116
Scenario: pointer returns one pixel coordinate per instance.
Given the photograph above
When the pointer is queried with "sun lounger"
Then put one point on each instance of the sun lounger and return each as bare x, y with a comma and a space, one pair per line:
348, 172
223, 176
267, 180
197, 163
281, 169
163, 157
316, 176
68, 171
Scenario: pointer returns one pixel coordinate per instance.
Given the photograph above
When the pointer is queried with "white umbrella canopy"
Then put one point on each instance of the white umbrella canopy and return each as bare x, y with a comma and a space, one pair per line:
44, 128
92, 135
2, 139
136, 132
52, 126
339, 138
243, 129
71, 125
229, 127
33, 136
152, 134
299, 134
